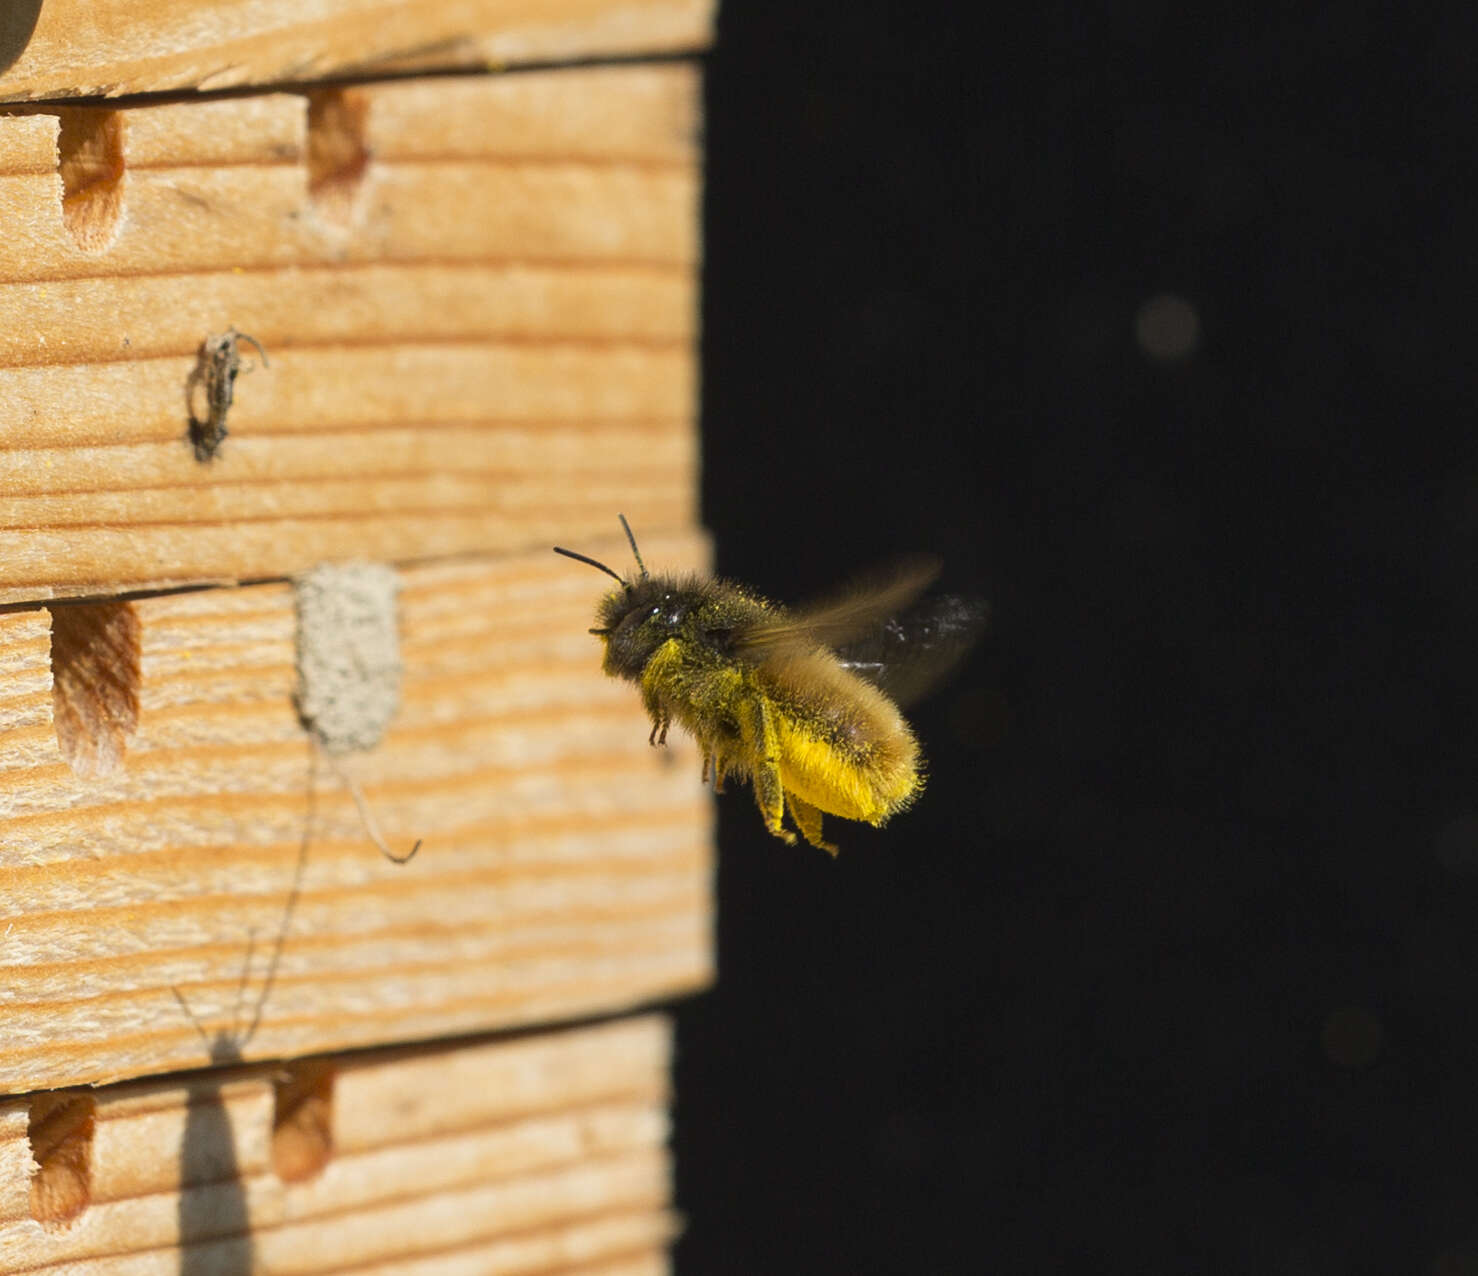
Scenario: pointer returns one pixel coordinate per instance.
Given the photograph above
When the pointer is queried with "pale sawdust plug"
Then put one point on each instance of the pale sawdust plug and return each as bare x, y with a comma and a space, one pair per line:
349, 669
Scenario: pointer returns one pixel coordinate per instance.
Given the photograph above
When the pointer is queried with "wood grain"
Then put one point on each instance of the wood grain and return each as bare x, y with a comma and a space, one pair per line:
86, 48
477, 298
536, 1155
565, 867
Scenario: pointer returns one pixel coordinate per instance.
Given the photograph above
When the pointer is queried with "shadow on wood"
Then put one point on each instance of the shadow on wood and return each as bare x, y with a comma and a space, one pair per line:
215, 1221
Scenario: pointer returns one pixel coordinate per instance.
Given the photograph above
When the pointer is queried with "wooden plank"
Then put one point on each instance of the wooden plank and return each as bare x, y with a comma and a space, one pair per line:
88, 48
541, 1155
479, 337
176, 857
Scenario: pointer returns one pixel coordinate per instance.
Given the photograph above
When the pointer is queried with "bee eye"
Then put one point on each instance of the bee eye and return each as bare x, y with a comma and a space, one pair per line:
655, 612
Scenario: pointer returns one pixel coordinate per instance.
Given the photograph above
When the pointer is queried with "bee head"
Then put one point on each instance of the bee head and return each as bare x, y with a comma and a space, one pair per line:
637, 618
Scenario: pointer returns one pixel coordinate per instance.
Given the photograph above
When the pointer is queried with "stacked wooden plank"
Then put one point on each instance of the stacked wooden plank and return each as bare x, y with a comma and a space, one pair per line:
458, 314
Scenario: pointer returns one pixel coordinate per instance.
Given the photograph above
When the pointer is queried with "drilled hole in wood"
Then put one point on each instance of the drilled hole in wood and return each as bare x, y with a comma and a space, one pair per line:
338, 156
59, 1129
90, 161
302, 1120
94, 683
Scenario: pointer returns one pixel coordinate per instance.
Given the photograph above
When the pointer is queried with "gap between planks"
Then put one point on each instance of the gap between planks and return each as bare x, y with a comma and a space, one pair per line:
76, 48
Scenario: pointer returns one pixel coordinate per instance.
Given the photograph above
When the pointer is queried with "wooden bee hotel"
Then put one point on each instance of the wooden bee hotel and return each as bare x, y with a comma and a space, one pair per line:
319, 326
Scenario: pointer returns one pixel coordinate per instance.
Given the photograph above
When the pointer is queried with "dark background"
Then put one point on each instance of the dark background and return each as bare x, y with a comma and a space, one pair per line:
1176, 963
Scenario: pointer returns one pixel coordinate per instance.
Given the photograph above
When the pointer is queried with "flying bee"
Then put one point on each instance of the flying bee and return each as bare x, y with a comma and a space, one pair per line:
797, 702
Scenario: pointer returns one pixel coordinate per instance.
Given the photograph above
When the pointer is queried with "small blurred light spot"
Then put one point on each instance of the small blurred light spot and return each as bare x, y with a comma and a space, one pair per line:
1456, 845
1352, 1037
1167, 328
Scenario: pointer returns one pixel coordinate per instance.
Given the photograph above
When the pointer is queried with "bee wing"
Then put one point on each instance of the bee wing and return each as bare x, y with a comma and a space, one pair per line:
850, 614
907, 655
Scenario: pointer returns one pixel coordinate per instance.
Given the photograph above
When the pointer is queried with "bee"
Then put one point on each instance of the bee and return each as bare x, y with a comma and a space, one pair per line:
796, 702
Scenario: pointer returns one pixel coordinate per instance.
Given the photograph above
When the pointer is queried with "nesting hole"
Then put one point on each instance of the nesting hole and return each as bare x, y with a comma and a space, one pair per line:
338, 156
60, 1129
90, 161
94, 683
302, 1120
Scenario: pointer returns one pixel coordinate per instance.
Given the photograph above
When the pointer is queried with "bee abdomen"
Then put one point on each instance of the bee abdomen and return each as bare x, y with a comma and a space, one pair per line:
851, 770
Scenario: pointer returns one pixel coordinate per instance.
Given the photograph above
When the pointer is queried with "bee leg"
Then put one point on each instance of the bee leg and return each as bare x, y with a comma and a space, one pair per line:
808, 820
656, 710
759, 731
770, 795
718, 775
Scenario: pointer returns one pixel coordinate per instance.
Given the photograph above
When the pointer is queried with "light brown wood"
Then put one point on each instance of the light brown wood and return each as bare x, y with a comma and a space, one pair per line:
148, 856
465, 314
477, 298
80, 48
536, 1155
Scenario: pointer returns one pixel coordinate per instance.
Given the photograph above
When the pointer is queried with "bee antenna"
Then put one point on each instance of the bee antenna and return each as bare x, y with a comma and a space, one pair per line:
581, 558
632, 540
